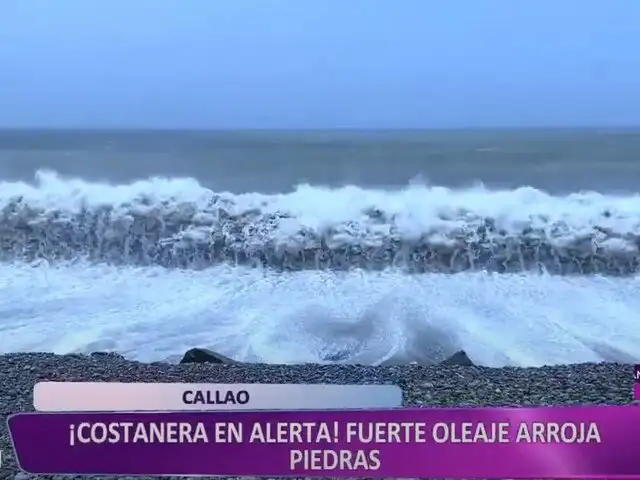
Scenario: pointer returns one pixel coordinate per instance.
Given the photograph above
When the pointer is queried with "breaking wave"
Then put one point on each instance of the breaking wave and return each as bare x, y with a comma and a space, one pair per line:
421, 228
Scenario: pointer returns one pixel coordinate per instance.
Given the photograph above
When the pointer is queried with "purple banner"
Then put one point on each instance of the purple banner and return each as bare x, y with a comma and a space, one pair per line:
559, 442
636, 373
636, 391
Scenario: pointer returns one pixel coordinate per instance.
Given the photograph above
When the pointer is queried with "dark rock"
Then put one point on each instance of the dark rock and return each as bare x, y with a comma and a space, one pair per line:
202, 355
113, 355
459, 358
160, 364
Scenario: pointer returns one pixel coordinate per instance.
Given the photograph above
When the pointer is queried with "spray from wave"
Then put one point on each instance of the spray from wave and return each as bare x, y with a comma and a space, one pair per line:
420, 229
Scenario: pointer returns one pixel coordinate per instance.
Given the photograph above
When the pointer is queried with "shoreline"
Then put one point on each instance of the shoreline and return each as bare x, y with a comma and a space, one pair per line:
422, 385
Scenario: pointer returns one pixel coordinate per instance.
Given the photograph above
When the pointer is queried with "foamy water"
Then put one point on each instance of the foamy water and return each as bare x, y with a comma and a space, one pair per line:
152, 268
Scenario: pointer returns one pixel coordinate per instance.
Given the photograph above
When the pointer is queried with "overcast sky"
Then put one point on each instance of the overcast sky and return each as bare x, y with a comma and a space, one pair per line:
319, 63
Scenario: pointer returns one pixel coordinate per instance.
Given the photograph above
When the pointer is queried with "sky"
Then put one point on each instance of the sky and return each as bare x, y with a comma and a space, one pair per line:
319, 63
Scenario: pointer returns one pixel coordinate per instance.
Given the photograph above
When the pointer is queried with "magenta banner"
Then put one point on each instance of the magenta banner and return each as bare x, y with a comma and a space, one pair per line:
636, 373
636, 391
565, 442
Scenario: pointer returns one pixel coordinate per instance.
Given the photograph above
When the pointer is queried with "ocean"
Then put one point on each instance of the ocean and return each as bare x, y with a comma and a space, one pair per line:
373, 247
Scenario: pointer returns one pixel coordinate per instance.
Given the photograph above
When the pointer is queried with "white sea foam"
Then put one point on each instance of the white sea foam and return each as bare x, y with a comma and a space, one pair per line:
64, 297
153, 314
178, 223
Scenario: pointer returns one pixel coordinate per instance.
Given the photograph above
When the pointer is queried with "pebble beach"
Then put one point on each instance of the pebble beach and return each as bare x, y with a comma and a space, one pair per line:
423, 386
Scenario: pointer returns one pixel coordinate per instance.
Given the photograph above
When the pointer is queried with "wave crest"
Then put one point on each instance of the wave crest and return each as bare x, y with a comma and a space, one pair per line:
178, 223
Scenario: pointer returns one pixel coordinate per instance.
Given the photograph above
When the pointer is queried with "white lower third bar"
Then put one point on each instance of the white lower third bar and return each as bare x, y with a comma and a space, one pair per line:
120, 397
